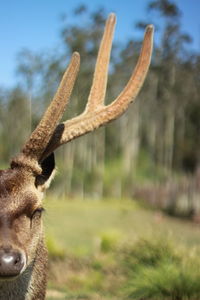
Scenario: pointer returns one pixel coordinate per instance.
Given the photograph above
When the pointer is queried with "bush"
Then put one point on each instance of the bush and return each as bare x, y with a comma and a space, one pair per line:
54, 250
167, 280
148, 252
109, 240
156, 271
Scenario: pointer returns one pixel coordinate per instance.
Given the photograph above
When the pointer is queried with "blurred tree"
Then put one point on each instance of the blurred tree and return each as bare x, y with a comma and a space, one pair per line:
167, 130
15, 123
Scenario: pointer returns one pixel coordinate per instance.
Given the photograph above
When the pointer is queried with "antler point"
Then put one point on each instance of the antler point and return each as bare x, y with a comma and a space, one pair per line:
112, 17
76, 55
150, 27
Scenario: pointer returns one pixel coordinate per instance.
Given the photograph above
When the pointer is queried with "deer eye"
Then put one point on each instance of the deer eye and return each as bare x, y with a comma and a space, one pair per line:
37, 212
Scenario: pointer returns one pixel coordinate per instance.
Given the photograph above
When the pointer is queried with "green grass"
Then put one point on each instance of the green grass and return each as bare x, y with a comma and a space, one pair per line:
79, 225
90, 238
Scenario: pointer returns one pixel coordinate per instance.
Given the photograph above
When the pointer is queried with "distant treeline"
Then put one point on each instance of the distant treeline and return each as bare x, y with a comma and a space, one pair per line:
157, 137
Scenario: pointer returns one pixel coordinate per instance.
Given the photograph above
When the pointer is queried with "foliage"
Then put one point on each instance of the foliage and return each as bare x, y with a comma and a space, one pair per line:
109, 240
159, 270
149, 253
54, 250
166, 281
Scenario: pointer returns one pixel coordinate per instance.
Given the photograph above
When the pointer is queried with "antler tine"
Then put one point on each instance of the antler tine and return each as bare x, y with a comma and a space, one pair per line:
138, 76
98, 89
40, 137
99, 115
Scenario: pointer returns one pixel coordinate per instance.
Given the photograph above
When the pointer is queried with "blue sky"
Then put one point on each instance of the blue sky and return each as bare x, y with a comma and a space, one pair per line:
35, 25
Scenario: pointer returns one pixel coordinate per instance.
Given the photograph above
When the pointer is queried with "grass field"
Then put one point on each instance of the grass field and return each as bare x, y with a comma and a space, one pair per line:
84, 236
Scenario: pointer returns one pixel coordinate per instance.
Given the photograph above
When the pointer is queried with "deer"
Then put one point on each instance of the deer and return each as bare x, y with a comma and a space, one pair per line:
23, 253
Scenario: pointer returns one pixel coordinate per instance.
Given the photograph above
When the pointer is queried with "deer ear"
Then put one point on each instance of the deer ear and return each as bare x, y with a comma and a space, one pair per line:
43, 180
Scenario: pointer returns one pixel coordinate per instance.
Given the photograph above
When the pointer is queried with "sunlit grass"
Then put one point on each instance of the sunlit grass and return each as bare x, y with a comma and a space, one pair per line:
77, 225
85, 237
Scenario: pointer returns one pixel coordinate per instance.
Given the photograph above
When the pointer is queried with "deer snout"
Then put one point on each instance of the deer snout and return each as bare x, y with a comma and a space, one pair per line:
12, 263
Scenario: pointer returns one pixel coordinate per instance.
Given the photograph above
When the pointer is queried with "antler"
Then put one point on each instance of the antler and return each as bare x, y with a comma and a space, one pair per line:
96, 113
40, 137
47, 137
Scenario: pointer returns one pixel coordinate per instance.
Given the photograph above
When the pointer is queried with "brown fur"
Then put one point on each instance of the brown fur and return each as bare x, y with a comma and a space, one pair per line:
21, 230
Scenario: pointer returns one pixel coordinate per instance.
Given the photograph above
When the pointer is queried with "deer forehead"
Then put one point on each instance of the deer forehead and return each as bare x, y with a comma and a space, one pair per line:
17, 191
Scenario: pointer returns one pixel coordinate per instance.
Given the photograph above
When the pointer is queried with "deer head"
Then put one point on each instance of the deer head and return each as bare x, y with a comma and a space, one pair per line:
22, 186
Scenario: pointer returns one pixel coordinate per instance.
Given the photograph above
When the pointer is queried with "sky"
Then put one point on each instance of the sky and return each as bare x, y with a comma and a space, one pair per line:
35, 25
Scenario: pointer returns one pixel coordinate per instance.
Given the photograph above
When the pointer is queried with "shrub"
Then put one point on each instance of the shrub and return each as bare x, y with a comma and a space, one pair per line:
109, 240
148, 252
54, 250
176, 281
156, 271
